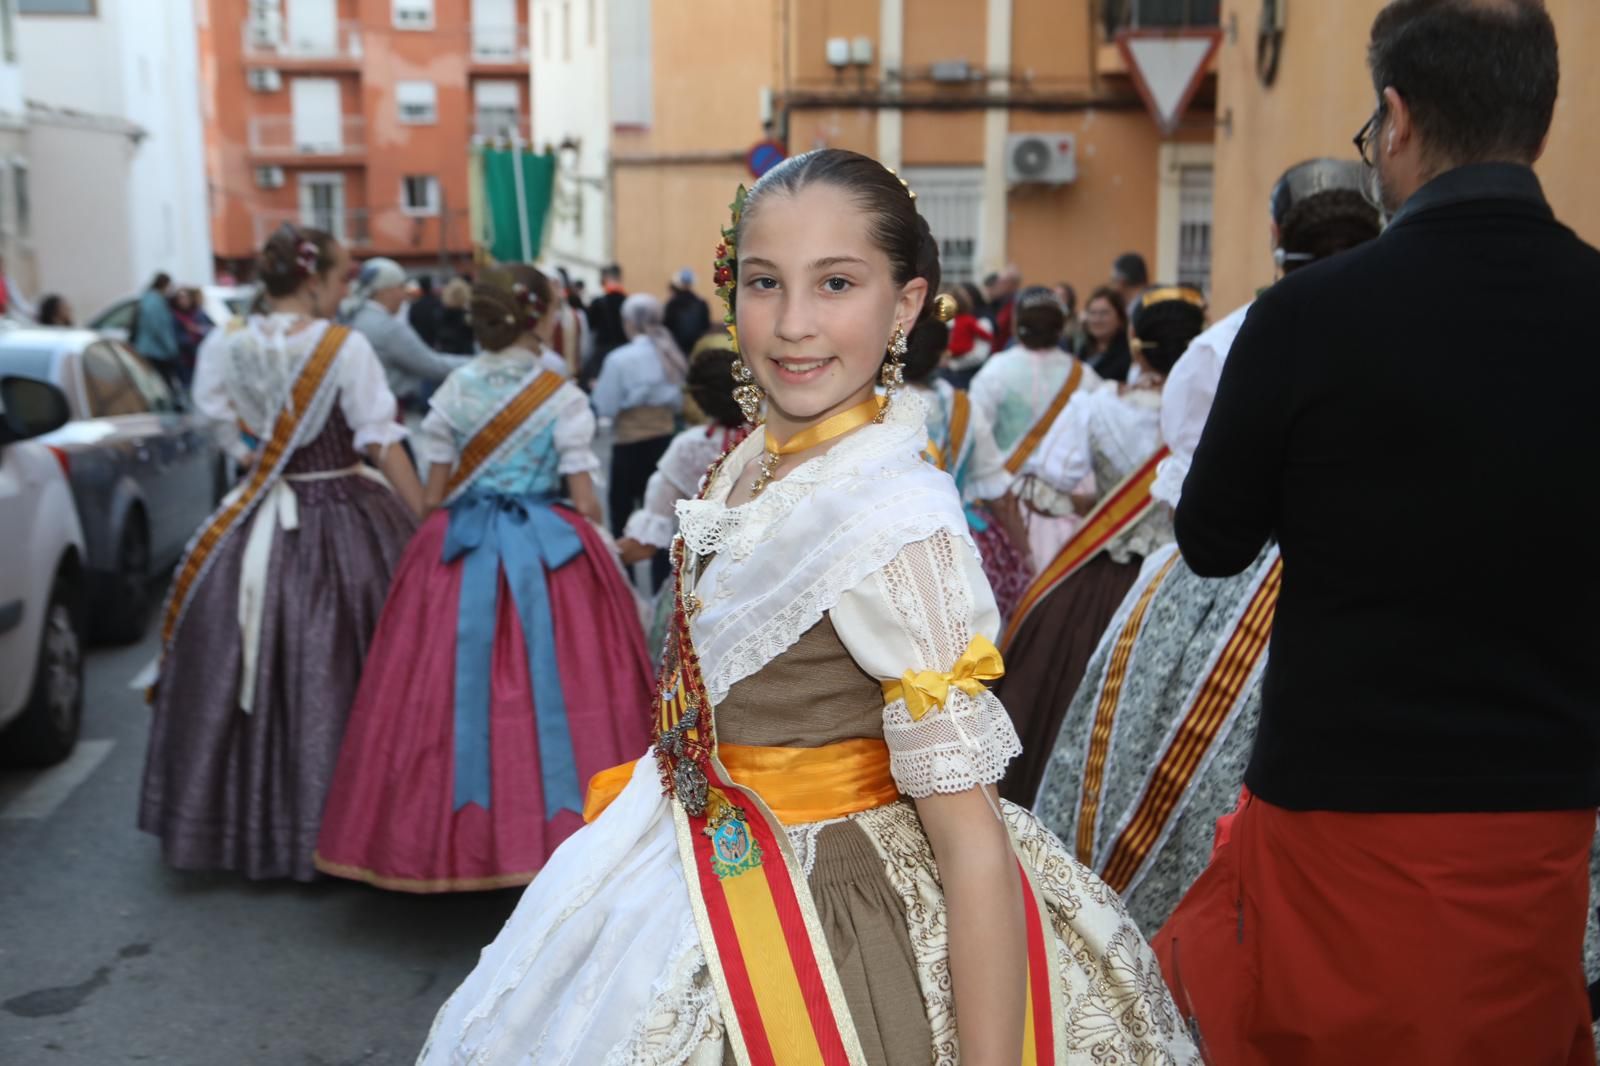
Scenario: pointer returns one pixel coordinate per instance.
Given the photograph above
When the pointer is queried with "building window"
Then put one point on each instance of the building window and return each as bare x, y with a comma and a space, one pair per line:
419, 194
418, 102
322, 203
413, 14
56, 7
1194, 227
497, 108
951, 199
24, 204
632, 73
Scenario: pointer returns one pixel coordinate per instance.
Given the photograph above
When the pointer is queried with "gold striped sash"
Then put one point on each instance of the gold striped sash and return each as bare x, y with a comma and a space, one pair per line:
1117, 511
269, 465
960, 416
1211, 707
1105, 714
498, 429
1030, 441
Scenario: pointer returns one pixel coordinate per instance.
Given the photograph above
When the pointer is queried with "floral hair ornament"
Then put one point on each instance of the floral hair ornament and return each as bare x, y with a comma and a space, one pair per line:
727, 262
529, 299
306, 254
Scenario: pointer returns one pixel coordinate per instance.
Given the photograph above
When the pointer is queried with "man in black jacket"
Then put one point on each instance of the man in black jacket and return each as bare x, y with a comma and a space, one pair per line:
1407, 877
605, 321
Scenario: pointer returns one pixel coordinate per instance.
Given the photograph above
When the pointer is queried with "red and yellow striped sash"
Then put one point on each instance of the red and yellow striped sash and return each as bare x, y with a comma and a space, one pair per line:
268, 465
1115, 513
498, 429
1030, 440
1216, 698
1105, 714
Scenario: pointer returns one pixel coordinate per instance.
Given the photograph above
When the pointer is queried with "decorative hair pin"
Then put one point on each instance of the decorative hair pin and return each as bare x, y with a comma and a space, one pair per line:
531, 300
944, 307
904, 184
306, 254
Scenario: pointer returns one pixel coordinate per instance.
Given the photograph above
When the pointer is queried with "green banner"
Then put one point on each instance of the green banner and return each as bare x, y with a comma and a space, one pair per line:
504, 221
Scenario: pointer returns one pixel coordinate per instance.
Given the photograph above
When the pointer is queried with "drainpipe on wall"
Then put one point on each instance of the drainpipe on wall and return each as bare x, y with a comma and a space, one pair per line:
996, 124
891, 58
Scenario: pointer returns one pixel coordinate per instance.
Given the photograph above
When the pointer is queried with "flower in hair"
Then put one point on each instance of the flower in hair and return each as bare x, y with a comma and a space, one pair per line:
530, 300
306, 254
726, 262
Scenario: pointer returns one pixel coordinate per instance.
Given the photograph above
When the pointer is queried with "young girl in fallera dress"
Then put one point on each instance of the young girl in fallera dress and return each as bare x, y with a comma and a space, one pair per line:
509, 666
811, 865
271, 609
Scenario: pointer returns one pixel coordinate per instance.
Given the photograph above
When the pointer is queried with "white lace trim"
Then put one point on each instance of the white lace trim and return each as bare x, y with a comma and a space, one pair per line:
722, 669
647, 527
960, 746
683, 1013
803, 838
710, 527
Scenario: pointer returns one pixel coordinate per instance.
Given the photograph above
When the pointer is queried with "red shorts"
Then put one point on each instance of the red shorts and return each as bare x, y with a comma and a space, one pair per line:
1326, 939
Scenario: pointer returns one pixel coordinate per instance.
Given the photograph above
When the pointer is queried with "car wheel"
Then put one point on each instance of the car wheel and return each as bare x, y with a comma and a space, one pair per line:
47, 730
129, 610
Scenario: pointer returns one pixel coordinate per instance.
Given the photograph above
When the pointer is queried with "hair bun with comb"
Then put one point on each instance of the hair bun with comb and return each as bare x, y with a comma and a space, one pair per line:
944, 307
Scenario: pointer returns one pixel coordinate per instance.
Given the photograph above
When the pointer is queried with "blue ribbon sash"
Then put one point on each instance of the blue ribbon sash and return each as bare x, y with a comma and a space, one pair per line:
525, 537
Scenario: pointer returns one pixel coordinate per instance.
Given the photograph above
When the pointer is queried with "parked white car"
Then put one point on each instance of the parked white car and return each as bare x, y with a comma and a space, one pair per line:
41, 582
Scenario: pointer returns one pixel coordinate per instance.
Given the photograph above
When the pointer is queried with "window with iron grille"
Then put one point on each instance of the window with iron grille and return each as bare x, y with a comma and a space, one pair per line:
419, 194
413, 14
418, 102
1194, 226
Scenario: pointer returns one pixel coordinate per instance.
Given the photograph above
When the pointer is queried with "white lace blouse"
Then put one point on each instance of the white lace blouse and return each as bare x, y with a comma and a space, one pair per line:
678, 475
471, 394
247, 373
874, 537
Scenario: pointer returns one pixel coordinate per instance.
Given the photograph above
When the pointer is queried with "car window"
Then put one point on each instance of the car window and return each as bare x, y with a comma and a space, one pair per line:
150, 384
119, 317
111, 391
35, 363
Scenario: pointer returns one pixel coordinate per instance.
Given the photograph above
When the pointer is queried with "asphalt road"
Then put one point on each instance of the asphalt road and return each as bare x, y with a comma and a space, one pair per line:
107, 956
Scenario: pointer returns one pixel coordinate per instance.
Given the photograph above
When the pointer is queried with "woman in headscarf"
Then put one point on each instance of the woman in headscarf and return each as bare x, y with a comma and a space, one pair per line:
372, 309
641, 390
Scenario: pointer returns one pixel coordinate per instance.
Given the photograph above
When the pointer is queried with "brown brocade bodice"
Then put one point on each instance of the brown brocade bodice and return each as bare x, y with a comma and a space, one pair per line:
812, 694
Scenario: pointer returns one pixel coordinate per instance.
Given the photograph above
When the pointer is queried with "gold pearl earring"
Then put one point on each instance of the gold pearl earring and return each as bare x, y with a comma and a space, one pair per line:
747, 394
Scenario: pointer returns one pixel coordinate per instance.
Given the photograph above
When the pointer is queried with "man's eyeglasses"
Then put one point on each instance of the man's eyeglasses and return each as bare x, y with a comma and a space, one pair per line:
1369, 133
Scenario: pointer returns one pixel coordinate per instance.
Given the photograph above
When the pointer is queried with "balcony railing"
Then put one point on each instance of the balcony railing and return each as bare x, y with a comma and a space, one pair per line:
276, 135
497, 126
1159, 14
349, 227
270, 40
499, 44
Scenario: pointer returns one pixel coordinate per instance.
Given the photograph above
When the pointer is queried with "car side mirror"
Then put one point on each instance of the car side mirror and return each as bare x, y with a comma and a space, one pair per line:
30, 408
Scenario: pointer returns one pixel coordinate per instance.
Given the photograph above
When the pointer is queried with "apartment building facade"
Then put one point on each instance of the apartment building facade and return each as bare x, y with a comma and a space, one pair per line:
358, 117
946, 91
1299, 89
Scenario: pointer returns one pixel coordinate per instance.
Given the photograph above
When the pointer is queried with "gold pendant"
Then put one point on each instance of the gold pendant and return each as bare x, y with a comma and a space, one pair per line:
769, 467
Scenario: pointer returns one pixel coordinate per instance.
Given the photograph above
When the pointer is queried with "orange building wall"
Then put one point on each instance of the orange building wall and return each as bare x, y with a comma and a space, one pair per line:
388, 150
1322, 96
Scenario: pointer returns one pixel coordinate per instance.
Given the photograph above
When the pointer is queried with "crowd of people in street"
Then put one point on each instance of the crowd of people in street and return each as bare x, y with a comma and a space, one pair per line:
895, 649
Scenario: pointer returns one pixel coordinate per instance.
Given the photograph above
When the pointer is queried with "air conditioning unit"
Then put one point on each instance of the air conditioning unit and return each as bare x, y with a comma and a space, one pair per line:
269, 177
265, 80
1041, 159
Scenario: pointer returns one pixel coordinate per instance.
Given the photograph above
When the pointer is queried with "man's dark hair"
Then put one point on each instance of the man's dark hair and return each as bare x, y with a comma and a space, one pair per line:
1130, 267
613, 272
1480, 76
161, 281
425, 283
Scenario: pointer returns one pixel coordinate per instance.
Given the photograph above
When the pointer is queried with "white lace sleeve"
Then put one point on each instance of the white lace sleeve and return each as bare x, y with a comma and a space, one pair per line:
987, 476
364, 395
920, 612
210, 392
574, 435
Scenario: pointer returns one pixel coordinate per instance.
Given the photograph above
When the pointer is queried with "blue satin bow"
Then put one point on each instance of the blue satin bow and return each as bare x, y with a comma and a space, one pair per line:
522, 534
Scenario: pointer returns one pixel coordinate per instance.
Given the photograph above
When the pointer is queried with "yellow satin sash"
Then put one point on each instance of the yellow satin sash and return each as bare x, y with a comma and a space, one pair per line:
800, 785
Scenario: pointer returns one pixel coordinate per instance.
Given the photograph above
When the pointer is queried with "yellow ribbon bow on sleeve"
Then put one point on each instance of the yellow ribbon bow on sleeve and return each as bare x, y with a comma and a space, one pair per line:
923, 690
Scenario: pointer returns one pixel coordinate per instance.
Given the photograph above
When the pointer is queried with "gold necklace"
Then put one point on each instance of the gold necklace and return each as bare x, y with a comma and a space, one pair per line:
869, 410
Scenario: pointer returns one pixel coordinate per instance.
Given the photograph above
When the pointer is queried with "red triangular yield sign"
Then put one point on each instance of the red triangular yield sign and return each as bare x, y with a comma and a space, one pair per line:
1167, 66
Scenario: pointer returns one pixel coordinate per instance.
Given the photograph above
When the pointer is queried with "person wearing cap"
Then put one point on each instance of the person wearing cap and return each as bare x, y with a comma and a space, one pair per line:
371, 309
1180, 642
1408, 879
686, 315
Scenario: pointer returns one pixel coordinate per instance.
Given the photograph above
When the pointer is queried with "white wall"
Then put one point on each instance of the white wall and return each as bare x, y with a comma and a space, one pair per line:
135, 60
81, 237
570, 100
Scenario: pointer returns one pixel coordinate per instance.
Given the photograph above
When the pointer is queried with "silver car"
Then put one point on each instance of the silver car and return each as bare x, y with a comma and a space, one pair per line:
144, 473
